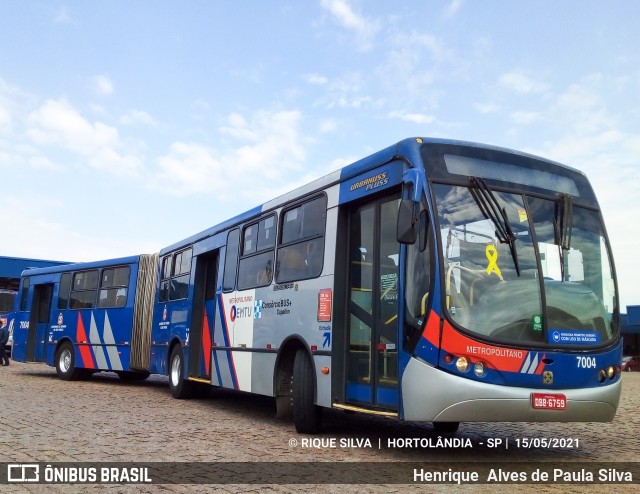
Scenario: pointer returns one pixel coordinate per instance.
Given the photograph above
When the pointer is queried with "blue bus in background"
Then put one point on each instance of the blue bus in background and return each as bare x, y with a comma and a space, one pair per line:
7, 299
81, 318
435, 280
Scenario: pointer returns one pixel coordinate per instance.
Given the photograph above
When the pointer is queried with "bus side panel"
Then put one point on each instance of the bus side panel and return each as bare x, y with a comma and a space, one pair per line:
24, 337
102, 337
20, 325
170, 323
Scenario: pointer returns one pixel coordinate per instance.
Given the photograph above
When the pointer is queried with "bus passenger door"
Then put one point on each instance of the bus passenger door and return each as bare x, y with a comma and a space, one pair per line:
39, 322
201, 332
372, 340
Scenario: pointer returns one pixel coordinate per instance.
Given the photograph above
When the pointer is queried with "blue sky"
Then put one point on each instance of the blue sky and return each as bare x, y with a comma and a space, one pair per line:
127, 126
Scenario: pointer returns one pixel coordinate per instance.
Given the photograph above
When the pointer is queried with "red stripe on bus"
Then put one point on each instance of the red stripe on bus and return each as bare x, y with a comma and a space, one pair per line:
541, 364
431, 331
85, 350
500, 358
206, 343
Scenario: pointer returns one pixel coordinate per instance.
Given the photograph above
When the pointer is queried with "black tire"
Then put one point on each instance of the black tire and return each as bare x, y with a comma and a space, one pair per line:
181, 389
132, 375
446, 427
307, 415
66, 363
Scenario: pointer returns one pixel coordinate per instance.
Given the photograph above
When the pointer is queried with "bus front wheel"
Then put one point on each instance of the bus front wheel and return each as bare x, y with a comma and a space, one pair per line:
306, 414
180, 388
66, 362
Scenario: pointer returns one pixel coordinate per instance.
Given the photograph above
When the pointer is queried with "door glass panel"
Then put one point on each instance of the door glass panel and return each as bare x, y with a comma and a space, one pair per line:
388, 298
361, 302
372, 375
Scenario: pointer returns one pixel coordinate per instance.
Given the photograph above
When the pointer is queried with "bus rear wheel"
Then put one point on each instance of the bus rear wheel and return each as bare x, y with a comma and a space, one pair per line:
180, 388
66, 363
306, 414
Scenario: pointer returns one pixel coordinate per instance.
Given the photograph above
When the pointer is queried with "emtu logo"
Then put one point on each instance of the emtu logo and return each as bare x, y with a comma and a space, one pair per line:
240, 312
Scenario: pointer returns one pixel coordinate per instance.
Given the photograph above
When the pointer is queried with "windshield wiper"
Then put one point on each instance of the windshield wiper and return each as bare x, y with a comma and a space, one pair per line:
562, 227
490, 208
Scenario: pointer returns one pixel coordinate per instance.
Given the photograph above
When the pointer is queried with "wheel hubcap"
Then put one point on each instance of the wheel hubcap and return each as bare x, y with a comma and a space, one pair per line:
175, 370
65, 360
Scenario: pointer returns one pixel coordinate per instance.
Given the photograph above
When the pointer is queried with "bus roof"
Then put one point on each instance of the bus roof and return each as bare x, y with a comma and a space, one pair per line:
78, 266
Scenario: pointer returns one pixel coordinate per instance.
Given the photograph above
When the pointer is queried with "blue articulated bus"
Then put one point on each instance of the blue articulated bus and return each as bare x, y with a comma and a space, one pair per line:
86, 317
435, 280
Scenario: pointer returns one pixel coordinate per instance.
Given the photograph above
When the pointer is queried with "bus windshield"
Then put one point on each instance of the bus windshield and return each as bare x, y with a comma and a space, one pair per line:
523, 269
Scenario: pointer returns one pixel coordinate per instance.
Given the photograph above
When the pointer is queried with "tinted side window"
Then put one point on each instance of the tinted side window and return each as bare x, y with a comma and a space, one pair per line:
256, 264
83, 290
114, 287
179, 288
24, 292
176, 272
63, 291
165, 278
231, 261
301, 247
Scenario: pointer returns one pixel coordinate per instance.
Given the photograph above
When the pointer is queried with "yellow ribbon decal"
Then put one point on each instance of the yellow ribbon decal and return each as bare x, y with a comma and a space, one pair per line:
492, 257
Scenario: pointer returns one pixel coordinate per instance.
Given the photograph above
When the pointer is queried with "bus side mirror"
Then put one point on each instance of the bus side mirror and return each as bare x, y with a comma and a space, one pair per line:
407, 232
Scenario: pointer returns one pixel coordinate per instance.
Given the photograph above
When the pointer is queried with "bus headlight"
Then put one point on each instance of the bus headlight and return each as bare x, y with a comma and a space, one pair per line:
478, 369
462, 364
602, 375
611, 372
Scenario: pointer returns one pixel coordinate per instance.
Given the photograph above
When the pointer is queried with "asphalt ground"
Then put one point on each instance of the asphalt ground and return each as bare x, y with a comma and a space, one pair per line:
236, 440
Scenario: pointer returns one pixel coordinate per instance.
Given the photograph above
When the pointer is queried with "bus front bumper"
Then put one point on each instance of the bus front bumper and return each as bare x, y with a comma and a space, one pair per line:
431, 395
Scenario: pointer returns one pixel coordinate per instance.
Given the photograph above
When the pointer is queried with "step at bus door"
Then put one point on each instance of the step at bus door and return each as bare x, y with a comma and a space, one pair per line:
372, 355
201, 333
39, 322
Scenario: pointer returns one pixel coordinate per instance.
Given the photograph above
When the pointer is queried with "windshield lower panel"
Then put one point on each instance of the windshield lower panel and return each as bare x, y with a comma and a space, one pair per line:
550, 285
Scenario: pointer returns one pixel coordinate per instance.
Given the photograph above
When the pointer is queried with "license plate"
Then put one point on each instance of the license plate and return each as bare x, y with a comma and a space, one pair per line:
548, 401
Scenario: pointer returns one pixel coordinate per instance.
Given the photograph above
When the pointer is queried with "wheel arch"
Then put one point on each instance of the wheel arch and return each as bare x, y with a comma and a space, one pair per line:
283, 374
285, 358
62, 341
175, 341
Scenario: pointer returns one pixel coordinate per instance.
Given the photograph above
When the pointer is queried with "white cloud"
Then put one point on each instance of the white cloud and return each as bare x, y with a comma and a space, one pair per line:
43, 163
42, 228
270, 150
521, 83
316, 79
62, 16
524, 118
56, 123
5, 116
345, 92
452, 9
486, 108
413, 62
134, 117
418, 118
103, 85
364, 28
328, 126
